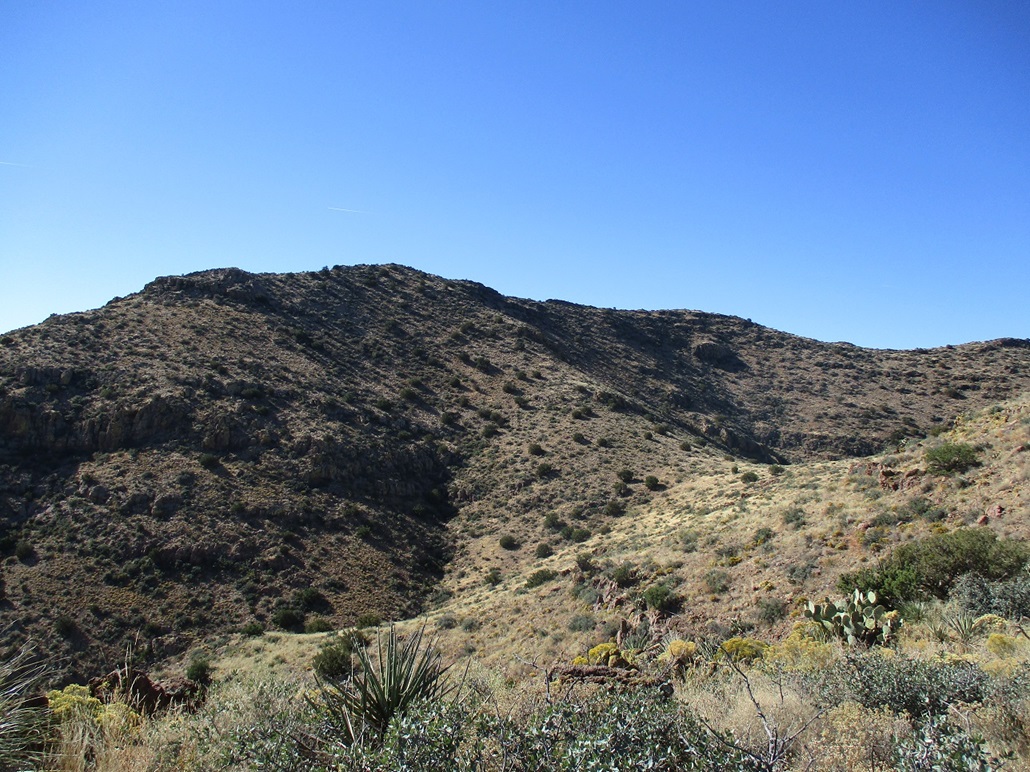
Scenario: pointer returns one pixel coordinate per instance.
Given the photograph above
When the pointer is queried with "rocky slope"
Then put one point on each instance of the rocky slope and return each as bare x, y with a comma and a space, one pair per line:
223, 447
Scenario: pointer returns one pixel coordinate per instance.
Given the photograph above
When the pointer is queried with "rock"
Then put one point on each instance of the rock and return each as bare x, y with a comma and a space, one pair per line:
982, 520
995, 510
143, 695
99, 494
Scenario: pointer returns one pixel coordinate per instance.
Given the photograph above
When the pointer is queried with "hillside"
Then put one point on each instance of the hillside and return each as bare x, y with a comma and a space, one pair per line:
222, 447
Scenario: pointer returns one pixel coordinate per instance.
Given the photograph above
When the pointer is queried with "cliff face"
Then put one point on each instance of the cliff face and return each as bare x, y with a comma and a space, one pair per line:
196, 456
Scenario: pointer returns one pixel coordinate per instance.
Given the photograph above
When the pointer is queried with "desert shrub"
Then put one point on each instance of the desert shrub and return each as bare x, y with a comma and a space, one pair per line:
621, 489
539, 577
543, 550
626, 475
771, 610
651, 482
977, 596
797, 573
930, 566
288, 618
624, 574
742, 650
208, 460
493, 577
604, 442
544, 469
614, 508
65, 626
921, 507
585, 563
951, 458
794, 517
629, 730
776, 470
535, 449
717, 581
939, 744
318, 625
762, 536
575, 534
23, 550
918, 687
582, 623
553, 522
447, 622
509, 542
661, 597
253, 628
199, 670
578, 438
490, 430
749, 477
368, 619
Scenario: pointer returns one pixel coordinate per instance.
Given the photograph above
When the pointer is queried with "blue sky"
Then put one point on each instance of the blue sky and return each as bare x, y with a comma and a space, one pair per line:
843, 171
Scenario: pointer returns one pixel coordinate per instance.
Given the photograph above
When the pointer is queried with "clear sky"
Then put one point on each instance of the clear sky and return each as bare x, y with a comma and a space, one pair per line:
852, 171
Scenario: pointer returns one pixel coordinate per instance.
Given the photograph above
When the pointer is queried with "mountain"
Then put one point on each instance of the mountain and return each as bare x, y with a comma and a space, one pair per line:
224, 448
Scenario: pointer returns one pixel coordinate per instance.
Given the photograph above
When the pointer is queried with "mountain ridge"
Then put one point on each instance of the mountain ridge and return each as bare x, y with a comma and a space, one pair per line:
193, 456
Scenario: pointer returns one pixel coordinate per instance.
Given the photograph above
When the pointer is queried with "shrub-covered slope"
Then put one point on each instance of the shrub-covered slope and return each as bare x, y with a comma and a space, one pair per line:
225, 449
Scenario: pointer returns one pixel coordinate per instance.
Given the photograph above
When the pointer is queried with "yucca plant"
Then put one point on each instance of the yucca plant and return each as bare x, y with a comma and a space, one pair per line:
21, 718
401, 674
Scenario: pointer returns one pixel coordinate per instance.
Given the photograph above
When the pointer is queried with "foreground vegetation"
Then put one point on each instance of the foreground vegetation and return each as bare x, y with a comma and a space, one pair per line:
945, 691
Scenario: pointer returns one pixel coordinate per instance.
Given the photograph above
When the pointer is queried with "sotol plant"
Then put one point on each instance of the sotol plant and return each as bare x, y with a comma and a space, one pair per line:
401, 675
858, 619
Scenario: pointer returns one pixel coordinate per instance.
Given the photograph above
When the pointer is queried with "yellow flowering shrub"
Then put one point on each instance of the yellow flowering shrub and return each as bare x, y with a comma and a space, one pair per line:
74, 702
742, 649
1001, 645
801, 651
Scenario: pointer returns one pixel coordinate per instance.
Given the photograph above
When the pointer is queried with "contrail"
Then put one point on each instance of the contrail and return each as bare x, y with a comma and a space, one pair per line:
11, 163
352, 211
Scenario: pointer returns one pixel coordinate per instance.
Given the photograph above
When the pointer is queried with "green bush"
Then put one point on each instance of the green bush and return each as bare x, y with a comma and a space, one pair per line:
540, 577
544, 550
509, 542
535, 449
717, 581
253, 628
614, 508
582, 623
626, 475
661, 597
651, 483
918, 687
493, 577
930, 566
199, 670
771, 610
368, 619
978, 596
318, 625
749, 477
24, 551
288, 618
624, 574
951, 458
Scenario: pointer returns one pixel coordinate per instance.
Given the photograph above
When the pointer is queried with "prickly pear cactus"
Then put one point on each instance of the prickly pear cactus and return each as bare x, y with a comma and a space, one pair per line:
857, 620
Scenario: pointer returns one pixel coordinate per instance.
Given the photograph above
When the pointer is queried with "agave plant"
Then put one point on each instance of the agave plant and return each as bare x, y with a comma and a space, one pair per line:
21, 718
402, 673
